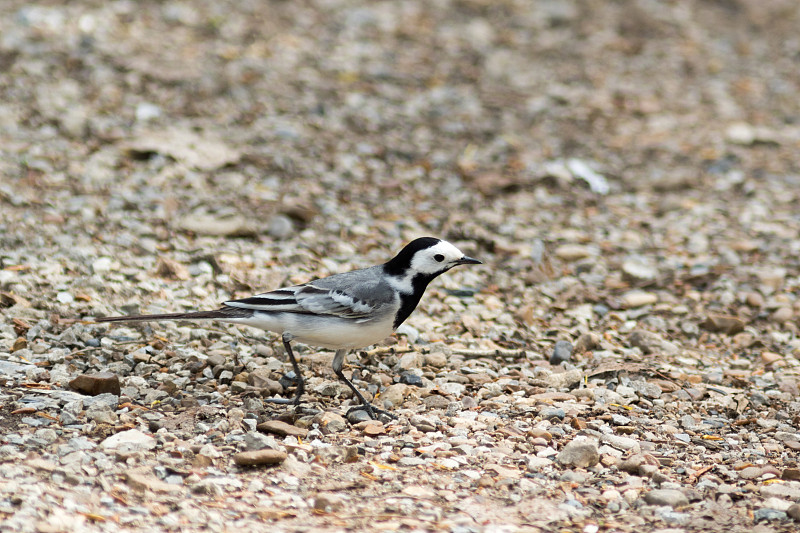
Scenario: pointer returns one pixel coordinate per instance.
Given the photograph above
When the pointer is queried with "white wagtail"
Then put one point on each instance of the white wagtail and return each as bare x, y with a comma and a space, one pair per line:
345, 311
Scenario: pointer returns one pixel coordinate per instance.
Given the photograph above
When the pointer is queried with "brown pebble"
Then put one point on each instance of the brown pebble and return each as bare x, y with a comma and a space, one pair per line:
19, 344
727, 324
259, 457
485, 481
791, 474
770, 357
94, 384
794, 512
281, 428
374, 429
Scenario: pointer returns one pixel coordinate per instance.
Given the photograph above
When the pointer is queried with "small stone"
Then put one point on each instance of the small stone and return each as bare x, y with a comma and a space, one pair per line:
336, 454
423, 424
260, 379
635, 464
170, 269
358, 416
782, 314
331, 422
671, 497
373, 429
770, 357
652, 343
587, 341
394, 395
232, 226
329, 503
794, 512
552, 412
436, 359
730, 325
535, 464
281, 428
280, 227
562, 352
638, 269
141, 481
94, 384
410, 378
740, 133
131, 440
574, 252
755, 299
435, 401
102, 414
633, 299
411, 360
579, 453
259, 457
20, 344
791, 474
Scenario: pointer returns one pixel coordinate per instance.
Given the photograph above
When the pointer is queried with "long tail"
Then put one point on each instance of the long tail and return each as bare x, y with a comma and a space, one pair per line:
225, 313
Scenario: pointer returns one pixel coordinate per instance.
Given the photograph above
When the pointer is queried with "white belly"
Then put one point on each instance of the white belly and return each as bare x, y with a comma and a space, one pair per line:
326, 332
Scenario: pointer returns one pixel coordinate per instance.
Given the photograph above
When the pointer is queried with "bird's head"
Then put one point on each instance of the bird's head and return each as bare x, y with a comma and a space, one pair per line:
428, 256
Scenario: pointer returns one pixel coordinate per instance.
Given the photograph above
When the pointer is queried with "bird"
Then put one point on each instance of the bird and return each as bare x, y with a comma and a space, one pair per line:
343, 312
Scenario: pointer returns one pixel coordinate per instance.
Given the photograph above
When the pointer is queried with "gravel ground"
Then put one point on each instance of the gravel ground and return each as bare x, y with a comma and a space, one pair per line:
625, 360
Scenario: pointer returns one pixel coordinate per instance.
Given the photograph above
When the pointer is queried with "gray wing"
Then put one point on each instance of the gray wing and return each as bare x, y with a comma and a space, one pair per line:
354, 295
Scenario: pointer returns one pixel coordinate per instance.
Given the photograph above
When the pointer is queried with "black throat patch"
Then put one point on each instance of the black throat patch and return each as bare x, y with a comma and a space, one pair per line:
408, 302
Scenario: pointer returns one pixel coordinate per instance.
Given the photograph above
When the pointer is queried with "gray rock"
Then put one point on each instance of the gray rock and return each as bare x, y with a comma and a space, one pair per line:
670, 497
280, 227
579, 453
258, 441
109, 400
552, 412
102, 414
422, 423
562, 352
652, 343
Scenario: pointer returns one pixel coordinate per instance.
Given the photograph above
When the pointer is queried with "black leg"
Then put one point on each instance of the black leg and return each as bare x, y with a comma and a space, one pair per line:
338, 360
287, 338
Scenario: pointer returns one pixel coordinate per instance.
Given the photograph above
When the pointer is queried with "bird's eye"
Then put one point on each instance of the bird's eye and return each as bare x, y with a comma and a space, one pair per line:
439, 257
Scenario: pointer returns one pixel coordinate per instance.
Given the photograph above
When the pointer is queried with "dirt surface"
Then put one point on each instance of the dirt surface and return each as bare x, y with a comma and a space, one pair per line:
626, 359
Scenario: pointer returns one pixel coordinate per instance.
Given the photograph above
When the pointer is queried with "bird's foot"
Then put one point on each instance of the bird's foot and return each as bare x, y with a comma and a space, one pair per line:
371, 410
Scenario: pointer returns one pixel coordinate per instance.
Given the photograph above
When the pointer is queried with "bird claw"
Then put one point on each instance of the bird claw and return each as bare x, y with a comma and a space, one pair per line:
371, 411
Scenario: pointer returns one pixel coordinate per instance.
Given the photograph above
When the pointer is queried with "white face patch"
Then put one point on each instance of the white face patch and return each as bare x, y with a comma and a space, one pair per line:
436, 259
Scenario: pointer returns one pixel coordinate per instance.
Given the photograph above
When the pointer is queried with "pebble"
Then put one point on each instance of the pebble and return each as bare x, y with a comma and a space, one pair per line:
652, 343
730, 325
574, 252
259, 457
552, 412
142, 481
670, 497
279, 427
579, 453
782, 314
562, 351
131, 440
632, 299
94, 384
638, 269
794, 512
280, 227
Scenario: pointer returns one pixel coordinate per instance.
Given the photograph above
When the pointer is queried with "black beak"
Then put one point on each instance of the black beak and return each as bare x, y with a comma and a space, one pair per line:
468, 261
